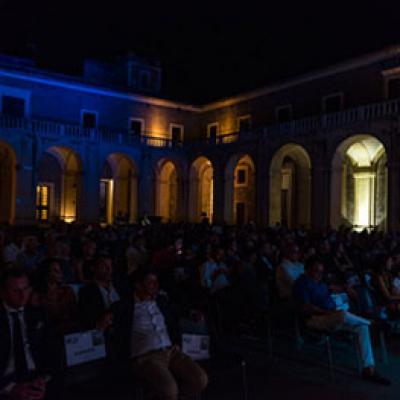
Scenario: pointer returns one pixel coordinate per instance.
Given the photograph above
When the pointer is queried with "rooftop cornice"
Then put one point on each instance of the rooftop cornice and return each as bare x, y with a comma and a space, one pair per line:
67, 82
59, 80
318, 74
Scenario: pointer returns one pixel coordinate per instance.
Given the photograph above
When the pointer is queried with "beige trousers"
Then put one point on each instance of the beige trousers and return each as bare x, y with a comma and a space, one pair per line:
168, 373
348, 322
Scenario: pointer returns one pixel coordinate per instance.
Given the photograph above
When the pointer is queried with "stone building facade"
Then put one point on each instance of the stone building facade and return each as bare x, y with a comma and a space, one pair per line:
317, 150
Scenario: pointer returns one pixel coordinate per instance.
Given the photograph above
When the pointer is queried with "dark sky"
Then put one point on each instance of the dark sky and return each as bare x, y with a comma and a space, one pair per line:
207, 50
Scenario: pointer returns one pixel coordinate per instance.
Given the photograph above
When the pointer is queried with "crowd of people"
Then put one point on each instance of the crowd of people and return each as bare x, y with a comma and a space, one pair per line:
136, 283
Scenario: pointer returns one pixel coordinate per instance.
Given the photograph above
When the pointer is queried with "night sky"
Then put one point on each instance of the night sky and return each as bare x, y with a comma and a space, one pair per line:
207, 50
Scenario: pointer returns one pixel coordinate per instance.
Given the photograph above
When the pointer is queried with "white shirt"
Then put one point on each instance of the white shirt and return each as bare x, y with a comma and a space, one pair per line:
220, 281
10, 253
396, 286
149, 331
286, 274
109, 296
28, 354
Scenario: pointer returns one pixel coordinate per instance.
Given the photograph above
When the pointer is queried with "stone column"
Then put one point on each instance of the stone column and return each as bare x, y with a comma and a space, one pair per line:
88, 197
25, 182
183, 197
25, 200
219, 194
262, 191
320, 197
146, 187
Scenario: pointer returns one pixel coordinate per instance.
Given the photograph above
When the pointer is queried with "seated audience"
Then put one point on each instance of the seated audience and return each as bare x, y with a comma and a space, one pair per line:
84, 266
136, 254
382, 282
30, 256
98, 298
288, 271
214, 273
12, 248
318, 309
28, 352
146, 336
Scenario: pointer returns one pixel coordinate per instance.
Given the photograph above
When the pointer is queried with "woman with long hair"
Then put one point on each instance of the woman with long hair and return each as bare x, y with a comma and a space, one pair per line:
50, 292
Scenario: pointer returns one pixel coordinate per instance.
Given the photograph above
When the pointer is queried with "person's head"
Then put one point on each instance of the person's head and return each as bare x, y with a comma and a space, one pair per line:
218, 254
89, 248
53, 250
267, 249
396, 256
55, 274
31, 244
252, 256
146, 284
49, 272
310, 252
292, 253
383, 263
340, 250
324, 247
103, 269
64, 249
314, 268
15, 288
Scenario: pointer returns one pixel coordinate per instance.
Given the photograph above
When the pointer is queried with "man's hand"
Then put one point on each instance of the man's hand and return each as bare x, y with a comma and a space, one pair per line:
34, 390
105, 321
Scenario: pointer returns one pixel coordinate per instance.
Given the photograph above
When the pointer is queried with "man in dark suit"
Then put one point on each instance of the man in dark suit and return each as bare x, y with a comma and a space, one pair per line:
99, 298
27, 345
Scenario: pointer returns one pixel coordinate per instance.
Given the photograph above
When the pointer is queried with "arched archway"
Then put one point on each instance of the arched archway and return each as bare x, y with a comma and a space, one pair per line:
201, 189
167, 190
118, 189
290, 187
7, 183
59, 185
359, 183
240, 190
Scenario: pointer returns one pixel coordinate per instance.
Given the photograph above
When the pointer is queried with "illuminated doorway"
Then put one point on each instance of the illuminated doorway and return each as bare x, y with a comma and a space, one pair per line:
59, 169
106, 201
118, 189
290, 187
240, 190
359, 184
201, 196
167, 191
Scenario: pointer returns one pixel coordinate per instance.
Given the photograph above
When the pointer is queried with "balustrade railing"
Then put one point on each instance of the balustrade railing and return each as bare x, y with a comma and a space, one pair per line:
336, 120
301, 126
99, 134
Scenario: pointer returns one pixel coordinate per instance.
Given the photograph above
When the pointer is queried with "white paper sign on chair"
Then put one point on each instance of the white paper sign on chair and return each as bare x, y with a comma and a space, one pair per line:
196, 346
83, 347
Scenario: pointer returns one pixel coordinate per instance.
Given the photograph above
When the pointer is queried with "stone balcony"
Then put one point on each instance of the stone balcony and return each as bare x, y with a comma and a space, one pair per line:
57, 130
298, 127
314, 124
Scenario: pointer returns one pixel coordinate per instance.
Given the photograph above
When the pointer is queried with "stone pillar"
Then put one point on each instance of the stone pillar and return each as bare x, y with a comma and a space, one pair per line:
393, 203
25, 182
194, 199
219, 194
146, 187
88, 197
25, 201
320, 197
183, 197
262, 192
